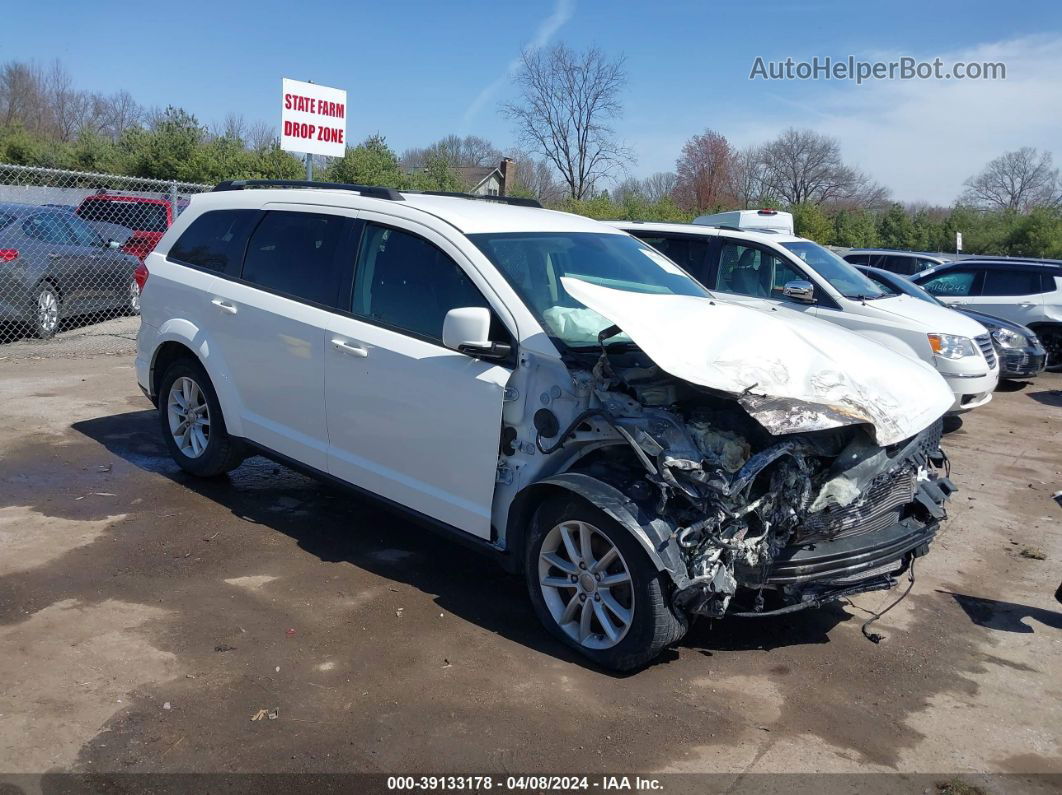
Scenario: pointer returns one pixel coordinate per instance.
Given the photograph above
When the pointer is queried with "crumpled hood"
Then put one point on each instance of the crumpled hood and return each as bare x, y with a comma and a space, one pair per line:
792, 373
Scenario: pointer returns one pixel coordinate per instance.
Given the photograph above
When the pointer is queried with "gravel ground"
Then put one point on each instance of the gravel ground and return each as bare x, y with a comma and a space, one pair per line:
110, 338
145, 618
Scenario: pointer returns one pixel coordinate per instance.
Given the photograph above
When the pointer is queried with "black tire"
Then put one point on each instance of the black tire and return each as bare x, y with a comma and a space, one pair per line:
46, 327
222, 452
655, 624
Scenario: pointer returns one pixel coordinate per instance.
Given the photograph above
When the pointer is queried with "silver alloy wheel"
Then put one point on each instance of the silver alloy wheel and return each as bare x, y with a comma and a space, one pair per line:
47, 311
189, 417
586, 584
134, 297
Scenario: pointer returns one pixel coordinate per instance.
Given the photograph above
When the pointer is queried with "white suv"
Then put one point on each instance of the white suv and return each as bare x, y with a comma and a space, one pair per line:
800, 276
550, 389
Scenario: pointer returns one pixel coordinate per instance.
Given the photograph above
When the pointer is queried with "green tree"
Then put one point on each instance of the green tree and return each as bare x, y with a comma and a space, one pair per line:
372, 162
895, 229
171, 149
854, 228
811, 221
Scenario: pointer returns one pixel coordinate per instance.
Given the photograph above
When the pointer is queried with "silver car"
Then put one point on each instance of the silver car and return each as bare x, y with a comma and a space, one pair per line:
55, 266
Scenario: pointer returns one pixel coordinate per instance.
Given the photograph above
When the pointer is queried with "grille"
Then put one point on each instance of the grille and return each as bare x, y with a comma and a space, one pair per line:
984, 342
879, 506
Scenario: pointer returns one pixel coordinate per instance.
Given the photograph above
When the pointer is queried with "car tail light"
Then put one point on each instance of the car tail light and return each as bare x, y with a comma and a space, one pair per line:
767, 211
8, 254
140, 275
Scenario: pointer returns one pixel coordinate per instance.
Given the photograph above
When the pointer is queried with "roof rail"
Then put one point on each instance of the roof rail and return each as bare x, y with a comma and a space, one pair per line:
373, 191
516, 201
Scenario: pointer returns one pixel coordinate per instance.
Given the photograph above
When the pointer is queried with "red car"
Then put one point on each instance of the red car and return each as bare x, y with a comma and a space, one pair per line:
148, 218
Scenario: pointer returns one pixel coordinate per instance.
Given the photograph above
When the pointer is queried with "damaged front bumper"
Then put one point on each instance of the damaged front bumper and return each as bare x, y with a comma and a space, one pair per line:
810, 573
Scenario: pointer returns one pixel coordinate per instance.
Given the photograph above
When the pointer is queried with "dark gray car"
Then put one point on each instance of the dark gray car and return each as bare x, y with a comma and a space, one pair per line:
55, 266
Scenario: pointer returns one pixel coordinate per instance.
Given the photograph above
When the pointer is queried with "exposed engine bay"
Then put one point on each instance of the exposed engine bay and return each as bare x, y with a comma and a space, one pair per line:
758, 512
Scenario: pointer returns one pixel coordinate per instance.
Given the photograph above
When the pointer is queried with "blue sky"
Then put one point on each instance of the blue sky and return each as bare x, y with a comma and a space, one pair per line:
415, 71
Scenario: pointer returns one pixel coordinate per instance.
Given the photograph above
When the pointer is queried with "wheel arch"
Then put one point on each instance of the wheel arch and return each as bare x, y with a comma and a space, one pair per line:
653, 534
180, 338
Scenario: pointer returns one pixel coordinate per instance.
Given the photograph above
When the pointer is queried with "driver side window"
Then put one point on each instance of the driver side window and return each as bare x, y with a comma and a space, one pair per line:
752, 271
408, 284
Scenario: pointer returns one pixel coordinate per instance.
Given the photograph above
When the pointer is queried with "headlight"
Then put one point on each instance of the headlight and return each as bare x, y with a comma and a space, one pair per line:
1006, 338
951, 346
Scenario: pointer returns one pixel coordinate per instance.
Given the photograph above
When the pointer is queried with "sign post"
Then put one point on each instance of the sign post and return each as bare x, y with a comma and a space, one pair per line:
313, 120
958, 242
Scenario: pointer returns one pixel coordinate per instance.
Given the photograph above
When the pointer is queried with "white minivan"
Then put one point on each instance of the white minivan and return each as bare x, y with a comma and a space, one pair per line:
547, 389
765, 268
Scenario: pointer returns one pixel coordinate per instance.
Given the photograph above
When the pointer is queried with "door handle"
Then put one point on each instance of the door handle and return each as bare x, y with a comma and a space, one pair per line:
352, 349
224, 306
1026, 305
53, 255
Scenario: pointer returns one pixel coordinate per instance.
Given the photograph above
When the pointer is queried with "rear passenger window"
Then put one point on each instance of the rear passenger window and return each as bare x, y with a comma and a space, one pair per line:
297, 254
951, 283
857, 259
215, 241
405, 282
1011, 282
905, 266
690, 253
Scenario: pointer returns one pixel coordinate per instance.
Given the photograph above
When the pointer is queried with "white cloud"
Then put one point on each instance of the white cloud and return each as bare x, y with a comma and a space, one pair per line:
562, 12
920, 138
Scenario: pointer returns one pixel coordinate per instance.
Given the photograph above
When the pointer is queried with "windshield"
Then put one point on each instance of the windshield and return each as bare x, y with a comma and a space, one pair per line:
898, 285
841, 275
534, 262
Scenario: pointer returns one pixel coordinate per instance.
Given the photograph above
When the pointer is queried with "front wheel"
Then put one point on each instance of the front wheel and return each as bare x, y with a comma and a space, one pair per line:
191, 420
594, 587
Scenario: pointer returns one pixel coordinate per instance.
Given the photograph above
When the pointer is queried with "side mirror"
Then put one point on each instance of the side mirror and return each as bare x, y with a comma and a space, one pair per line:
467, 329
800, 290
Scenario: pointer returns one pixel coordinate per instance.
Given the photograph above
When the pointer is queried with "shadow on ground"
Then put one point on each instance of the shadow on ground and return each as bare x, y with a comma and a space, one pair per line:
1004, 616
321, 516
1049, 397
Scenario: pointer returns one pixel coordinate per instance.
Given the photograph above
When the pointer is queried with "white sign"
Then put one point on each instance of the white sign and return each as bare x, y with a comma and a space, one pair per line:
313, 119
958, 241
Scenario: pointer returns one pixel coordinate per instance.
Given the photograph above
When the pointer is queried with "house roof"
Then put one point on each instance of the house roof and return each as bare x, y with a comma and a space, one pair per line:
477, 175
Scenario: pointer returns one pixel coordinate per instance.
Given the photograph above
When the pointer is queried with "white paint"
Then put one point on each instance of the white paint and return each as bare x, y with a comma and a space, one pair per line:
734, 348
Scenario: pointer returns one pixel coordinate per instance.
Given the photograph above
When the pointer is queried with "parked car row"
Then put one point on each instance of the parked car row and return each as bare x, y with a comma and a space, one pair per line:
643, 443
777, 270
61, 262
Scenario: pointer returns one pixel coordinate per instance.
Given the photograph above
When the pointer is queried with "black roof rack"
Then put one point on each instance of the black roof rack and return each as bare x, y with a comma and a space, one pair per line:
516, 201
373, 191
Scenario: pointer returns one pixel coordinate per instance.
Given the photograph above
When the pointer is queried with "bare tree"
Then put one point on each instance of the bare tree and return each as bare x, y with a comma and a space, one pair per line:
703, 172
261, 135
1017, 180
630, 188
659, 185
567, 101
69, 107
234, 127
22, 95
121, 112
535, 177
455, 151
803, 166
748, 177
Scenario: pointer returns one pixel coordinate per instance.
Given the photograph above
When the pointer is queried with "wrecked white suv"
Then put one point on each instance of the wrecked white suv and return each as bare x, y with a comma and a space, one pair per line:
548, 388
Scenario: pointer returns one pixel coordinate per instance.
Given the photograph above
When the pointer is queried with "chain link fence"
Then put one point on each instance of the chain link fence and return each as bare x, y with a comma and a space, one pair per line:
70, 246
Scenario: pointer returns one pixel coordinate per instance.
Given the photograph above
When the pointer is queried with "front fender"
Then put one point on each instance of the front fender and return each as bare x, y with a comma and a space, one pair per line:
655, 535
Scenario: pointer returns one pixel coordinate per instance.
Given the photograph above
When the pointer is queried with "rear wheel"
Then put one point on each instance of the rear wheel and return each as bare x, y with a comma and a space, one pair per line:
47, 311
594, 587
192, 424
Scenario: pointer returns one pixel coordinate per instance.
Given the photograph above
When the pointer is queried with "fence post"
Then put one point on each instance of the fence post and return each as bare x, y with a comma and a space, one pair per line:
173, 199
